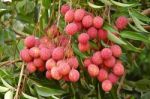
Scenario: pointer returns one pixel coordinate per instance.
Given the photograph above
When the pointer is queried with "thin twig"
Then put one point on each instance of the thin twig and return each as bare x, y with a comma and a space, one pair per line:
9, 62
58, 18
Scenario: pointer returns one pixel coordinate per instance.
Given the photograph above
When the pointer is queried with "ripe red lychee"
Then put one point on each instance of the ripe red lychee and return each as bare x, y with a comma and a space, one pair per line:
116, 50
64, 9
63, 40
110, 62
73, 62
44, 40
87, 21
37, 42
106, 53
96, 58
66, 77
118, 69
50, 63
55, 73
48, 75
103, 75
64, 68
53, 31
93, 70
92, 32
29, 41
121, 22
87, 62
31, 67
25, 56
102, 34
74, 75
60, 61
84, 47
71, 29
83, 38
106, 85
69, 16
38, 62
98, 22
45, 53
41, 68
34, 52
79, 14
113, 78
58, 53
79, 25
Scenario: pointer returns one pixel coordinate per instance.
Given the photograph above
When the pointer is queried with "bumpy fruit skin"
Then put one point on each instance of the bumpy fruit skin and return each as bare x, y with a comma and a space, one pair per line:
44, 40
106, 85
79, 14
103, 75
30, 41
96, 58
25, 56
31, 67
53, 31
93, 70
55, 73
84, 47
102, 34
45, 53
34, 52
38, 62
113, 78
87, 21
79, 25
98, 22
48, 74
74, 75
87, 62
58, 53
83, 38
73, 62
64, 9
69, 16
50, 63
116, 50
121, 22
37, 42
92, 32
64, 68
118, 69
106, 53
110, 62
71, 29
63, 40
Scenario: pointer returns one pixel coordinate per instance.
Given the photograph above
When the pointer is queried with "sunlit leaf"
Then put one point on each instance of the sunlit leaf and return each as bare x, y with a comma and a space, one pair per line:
8, 95
94, 6
28, 97
121, 4
3, 89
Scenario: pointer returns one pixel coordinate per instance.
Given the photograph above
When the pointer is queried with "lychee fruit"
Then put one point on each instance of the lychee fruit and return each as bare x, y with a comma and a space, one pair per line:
106, 53
34, 52
29, 41
55, 73
64, 68
66, 77
50, 63
118, 69
98, 22
69, 16
53, 31
87, 21
113, 78
83, 38
31, 67
116, 50
121, 22
110, 62
84, 47
92, 32
71, 29
44, 40
96, 58
87, 62
73, 62
79, 14
79, 25
48, 74
38, 62
103, 75
74, 75
45, 53
93, 70
37, 42
41, 68
64, 9
58, 53
106, 85
25, 56
63, 40
102, 34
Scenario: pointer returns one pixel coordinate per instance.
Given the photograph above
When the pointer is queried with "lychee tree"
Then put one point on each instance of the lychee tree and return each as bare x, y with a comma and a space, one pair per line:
74, 49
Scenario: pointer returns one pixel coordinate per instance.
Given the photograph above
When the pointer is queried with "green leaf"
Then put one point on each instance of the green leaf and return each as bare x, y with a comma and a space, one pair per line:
46, 92
134, 28
6, 84
145, 95
130, 47
142, 85
3, 89
115, 39
110, 28
94, 6
8, 95
28, 97
121, 4
134, 35
107, 2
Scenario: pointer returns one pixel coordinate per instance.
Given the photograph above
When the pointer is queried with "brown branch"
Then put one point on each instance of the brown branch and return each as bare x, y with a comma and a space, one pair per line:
146, 12
9, 62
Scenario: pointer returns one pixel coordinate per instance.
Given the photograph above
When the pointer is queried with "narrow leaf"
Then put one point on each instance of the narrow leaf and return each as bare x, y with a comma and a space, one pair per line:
3, 89
121, 4
28, 97
94, 6
6, 84
107, 2
8, 95
130, 47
